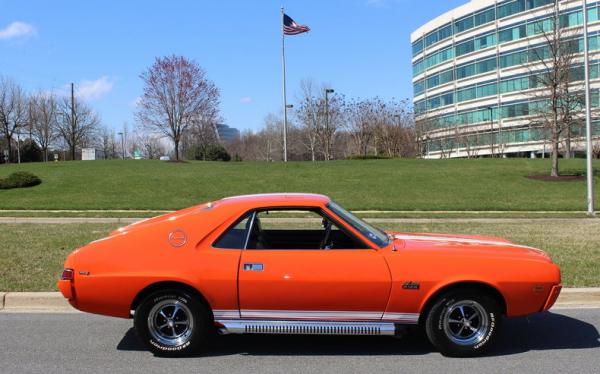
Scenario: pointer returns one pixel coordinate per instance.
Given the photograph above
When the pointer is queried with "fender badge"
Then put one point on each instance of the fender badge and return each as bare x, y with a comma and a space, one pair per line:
177, 238
411, 286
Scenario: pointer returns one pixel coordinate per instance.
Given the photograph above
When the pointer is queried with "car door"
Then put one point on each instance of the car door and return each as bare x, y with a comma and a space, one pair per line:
309, 282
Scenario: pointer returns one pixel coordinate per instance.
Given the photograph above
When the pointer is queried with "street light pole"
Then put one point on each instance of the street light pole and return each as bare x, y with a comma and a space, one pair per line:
122, 145
492, 131
588, 116
327, 92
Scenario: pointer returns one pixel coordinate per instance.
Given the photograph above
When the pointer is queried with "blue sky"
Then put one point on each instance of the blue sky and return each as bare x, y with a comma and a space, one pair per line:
360, 47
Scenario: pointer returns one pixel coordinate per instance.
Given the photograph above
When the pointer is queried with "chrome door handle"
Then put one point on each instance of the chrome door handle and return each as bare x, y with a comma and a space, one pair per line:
254, 267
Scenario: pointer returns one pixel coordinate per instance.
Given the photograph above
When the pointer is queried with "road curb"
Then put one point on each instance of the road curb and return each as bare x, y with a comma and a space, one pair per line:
55, 302
34, 301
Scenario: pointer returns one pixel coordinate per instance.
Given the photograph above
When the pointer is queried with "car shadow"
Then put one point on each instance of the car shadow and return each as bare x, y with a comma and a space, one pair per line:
543, 331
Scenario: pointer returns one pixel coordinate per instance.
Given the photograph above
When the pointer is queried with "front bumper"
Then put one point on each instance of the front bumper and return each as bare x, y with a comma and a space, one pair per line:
554, 292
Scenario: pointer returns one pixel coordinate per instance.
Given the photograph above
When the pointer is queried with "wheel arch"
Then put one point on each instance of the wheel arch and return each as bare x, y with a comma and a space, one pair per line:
471, 285
170, 285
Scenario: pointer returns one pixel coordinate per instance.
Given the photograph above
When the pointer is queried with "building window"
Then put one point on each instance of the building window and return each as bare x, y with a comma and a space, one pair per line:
417, 47
485, 17
463, 24
419, 87
445, 32
418, 67
464, 48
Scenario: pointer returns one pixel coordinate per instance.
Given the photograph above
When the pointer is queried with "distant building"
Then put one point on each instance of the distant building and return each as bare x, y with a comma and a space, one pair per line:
227, 134
474, 71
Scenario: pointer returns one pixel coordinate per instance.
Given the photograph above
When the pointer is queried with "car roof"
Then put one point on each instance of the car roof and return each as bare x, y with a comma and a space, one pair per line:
277, 199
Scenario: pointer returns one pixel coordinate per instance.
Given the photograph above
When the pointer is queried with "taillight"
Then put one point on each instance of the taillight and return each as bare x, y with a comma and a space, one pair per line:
67, 274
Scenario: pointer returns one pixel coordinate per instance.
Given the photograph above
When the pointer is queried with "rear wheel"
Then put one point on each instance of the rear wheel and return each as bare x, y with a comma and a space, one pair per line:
463, 323
172, 323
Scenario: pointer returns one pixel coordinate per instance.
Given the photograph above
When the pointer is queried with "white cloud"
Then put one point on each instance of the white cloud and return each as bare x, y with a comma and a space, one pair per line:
246, 100
135, 103
93, 90
17, 30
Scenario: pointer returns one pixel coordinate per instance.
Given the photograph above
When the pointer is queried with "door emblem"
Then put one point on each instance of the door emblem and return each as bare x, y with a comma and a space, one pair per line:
254, 267
411, 285
177, 238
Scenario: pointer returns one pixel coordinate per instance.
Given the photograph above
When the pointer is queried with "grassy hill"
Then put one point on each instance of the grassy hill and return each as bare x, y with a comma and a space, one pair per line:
459, 184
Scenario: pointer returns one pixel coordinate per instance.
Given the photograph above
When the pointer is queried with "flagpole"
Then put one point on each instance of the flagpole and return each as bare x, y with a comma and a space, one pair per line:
284, 89
588, 117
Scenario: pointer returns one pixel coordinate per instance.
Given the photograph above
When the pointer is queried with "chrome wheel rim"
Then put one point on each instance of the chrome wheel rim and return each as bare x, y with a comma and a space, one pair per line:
170, 322
466, 322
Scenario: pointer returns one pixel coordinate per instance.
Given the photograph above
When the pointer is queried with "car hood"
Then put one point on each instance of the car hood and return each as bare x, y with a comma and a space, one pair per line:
484, 245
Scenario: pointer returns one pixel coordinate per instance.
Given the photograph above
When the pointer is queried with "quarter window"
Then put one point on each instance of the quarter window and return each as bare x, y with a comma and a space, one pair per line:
236, 236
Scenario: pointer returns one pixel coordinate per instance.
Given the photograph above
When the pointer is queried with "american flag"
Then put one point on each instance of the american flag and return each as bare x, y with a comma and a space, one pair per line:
292, 28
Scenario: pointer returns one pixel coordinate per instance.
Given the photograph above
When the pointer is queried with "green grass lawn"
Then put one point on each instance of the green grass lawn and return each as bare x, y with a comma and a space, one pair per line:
457, 184
31, 256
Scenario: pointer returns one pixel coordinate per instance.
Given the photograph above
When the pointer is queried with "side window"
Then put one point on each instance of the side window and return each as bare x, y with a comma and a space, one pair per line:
308, 229
235, 237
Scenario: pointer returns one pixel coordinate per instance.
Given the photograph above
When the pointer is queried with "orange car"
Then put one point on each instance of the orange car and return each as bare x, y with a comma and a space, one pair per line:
238, 265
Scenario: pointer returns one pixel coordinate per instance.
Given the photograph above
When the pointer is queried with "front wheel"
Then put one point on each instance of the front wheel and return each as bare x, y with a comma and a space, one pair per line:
171, 323
463, 323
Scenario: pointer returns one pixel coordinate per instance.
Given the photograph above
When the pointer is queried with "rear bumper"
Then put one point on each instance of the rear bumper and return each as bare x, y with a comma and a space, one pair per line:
554, 292
66, 288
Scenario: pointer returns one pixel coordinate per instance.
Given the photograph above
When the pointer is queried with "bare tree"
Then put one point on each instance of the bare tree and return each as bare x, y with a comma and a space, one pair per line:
200, 135
152, 146
308, 114
13, 110
176, 93
596, 149
395, 130
559, 99
270, 138
363, 117
44, 119
76, 123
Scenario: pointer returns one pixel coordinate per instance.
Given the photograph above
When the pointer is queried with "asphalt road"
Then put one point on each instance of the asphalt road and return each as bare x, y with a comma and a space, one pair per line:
559, 341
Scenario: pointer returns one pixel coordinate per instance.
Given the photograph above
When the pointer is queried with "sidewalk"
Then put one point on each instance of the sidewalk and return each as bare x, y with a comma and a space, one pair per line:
128, 220
54, 302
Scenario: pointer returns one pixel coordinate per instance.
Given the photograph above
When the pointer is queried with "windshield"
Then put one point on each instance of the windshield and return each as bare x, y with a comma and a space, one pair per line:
375, 235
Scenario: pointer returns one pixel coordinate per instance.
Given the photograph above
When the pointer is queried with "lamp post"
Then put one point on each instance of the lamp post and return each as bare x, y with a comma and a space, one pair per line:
122, 144
492, 130
588, 117
327, 92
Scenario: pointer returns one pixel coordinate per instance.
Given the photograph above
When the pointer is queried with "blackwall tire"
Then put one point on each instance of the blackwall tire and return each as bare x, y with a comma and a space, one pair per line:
464, 323
172, 324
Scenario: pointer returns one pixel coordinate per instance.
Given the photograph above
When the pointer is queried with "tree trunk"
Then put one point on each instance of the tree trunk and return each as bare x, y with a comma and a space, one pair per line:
9, 150
176, 141
73, 153
554, 172
568, 143
555, 141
